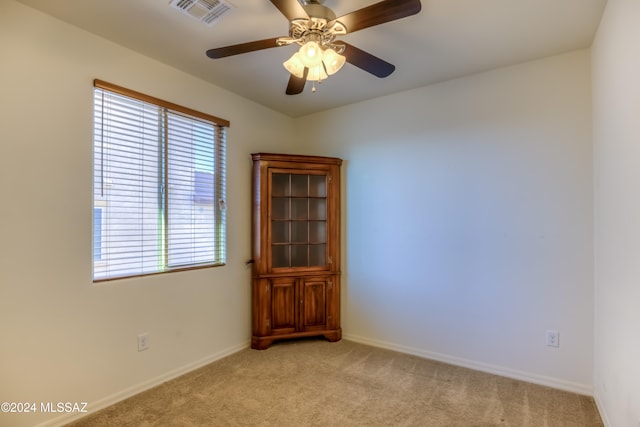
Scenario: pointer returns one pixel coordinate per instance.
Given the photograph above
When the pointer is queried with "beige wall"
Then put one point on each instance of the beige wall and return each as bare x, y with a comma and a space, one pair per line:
62, 338
616, 124
468, 219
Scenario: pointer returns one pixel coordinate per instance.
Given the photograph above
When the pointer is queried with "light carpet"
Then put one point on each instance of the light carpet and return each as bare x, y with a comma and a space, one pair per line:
317, 383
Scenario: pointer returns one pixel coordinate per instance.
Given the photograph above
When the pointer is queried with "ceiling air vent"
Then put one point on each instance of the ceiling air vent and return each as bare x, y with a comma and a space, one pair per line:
207, 11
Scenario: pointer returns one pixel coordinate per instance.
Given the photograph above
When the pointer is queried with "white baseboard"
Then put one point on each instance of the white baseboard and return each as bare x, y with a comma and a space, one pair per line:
603, 413
573, 387
146, 385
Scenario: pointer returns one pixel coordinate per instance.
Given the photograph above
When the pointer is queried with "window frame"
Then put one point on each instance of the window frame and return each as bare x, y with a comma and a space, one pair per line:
218, 245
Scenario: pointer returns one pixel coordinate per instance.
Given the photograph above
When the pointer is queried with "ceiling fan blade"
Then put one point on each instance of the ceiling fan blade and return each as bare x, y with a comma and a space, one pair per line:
379, 13
237, 49
291, 9
366, 61
296, 84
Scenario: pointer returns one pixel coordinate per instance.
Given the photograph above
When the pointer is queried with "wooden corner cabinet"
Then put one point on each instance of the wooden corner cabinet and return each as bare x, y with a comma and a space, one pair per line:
296, 248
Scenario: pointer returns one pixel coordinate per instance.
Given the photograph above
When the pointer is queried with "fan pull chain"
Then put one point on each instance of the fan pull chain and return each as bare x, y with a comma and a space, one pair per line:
313, 84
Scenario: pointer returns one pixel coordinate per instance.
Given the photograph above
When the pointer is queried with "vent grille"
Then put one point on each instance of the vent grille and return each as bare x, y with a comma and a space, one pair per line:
206, 11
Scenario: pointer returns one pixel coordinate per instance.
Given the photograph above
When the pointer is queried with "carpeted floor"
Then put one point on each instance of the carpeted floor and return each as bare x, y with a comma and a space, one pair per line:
317, 383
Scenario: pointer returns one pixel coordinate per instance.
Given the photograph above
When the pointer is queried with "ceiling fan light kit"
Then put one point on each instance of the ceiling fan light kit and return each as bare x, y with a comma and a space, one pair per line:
315, 27
319, 63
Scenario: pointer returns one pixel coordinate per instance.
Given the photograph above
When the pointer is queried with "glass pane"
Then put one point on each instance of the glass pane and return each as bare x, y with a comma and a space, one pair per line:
318, 209
299, 209
317, 255
299, 218
280, 185
317, 232
127, 156
192, 205
317, 186
299, 232
280, 231
299, 185
97, 234
299, 256
280, 255
280, 208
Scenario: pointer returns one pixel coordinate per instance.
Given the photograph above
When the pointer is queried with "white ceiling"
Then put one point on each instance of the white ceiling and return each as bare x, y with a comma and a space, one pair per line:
447, 39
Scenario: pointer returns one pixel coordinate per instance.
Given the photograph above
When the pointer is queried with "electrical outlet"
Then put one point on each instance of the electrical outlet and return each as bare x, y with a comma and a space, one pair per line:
553, 338
143, 341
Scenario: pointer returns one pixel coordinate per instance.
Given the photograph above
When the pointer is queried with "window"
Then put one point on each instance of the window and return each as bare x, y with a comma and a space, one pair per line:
158, 185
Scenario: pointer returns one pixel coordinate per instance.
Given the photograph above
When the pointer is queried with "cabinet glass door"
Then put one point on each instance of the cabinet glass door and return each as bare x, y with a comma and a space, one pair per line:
298, 220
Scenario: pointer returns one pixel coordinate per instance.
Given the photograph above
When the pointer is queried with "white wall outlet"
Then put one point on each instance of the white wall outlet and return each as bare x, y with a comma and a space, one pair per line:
553, 338
143, 341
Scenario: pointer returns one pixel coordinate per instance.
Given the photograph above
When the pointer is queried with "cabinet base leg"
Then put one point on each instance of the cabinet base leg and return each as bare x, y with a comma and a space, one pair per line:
262, 343
334, 336
259, 343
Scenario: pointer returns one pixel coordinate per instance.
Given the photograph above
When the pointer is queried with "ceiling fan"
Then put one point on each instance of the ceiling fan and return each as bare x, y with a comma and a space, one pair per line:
315, 27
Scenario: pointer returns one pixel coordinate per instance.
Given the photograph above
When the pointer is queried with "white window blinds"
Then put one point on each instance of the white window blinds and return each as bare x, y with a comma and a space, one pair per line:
159, 185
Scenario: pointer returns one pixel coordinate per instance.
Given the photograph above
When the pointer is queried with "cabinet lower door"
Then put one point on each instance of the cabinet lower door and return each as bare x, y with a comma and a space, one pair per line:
284, 305
313, 303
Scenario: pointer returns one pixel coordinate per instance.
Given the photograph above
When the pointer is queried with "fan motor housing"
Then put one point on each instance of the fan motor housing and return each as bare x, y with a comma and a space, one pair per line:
317, 10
